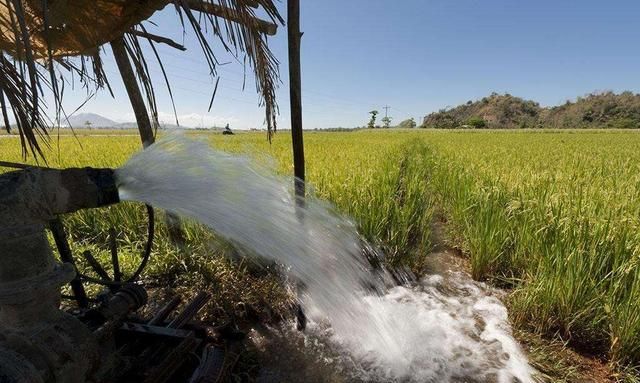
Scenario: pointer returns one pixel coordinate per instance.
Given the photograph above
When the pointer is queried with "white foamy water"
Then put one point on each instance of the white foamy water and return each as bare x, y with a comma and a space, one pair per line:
447, 329
435, 331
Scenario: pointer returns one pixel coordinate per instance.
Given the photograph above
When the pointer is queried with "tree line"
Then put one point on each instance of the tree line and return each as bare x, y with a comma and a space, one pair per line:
504, 111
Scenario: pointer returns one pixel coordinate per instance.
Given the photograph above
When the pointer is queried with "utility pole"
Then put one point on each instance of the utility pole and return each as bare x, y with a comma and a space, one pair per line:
295, 94
386, 110
386, 120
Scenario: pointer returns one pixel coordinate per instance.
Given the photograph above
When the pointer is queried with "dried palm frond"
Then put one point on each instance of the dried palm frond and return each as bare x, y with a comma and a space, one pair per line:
39, 37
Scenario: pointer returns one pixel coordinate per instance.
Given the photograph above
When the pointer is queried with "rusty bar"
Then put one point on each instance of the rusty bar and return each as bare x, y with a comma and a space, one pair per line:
164, 311
191, 310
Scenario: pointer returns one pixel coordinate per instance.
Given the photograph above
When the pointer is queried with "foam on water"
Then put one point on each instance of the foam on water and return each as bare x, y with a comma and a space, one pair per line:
405, 334
446, 329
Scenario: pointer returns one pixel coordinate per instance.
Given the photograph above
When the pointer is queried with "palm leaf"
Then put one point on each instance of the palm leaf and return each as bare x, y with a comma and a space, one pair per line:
48, 45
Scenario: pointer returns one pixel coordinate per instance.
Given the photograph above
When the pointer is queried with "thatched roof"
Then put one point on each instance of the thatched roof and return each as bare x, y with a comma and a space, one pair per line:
38, 37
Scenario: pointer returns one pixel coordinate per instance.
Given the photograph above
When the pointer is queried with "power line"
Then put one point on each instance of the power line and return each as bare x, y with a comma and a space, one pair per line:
249, 82
346, 106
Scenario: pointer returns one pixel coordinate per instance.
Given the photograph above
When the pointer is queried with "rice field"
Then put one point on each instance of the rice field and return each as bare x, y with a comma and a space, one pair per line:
552, 216
555, 216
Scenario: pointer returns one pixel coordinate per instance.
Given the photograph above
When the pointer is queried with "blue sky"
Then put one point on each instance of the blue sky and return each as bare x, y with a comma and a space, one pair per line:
416, 56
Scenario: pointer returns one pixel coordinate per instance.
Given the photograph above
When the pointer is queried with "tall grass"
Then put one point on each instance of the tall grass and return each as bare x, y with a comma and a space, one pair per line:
556, 217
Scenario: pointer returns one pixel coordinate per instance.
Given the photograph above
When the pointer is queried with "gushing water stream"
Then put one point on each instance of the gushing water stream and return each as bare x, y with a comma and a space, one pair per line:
439, 330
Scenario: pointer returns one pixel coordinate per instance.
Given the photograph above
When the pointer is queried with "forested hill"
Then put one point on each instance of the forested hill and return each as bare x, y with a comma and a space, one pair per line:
596, 110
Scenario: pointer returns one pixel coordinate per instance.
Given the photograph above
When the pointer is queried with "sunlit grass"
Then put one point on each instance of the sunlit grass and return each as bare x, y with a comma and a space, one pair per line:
555, 216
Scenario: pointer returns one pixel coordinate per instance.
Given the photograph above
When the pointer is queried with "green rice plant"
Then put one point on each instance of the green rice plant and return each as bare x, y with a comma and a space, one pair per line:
556, 215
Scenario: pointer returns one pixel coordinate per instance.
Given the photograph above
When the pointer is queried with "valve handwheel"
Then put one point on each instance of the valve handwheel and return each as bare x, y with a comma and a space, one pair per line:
113, 282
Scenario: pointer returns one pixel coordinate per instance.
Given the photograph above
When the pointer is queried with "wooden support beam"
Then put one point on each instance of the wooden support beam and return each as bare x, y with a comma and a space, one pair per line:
295, 94
144, 123
251, 3
133, 91
295, 97
263, 26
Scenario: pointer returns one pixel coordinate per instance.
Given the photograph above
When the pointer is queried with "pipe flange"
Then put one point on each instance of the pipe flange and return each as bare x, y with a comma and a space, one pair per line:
28, 289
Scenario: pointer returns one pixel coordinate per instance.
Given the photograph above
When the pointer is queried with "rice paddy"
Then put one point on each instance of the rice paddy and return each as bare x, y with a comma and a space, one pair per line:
552, 216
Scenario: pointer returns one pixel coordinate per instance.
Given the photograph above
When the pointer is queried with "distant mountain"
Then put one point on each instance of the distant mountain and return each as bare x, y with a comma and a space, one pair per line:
504, 111
95, 120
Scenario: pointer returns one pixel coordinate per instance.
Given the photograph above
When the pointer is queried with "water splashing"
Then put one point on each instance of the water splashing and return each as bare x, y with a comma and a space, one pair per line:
406, 334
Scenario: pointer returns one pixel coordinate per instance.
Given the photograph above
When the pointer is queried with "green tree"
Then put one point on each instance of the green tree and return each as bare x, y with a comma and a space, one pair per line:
386, 121
407, 124
372, 121
477, 122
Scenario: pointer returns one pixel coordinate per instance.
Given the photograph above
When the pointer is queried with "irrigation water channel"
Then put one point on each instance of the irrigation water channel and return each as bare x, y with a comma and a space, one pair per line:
362, 327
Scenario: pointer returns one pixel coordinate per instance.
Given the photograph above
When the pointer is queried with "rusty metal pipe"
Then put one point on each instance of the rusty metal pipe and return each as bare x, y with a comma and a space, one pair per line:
28, 200
34, 331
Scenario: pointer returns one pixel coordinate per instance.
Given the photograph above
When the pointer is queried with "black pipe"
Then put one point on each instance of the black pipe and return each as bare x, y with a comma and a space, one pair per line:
87, 188
60, 237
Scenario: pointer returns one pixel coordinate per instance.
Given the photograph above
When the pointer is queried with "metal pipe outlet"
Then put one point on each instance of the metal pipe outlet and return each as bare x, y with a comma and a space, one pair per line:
34, 333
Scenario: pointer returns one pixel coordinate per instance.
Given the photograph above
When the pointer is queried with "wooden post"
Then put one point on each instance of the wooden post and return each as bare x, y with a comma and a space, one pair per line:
295, 94
130, 84
142, 120
295, 98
